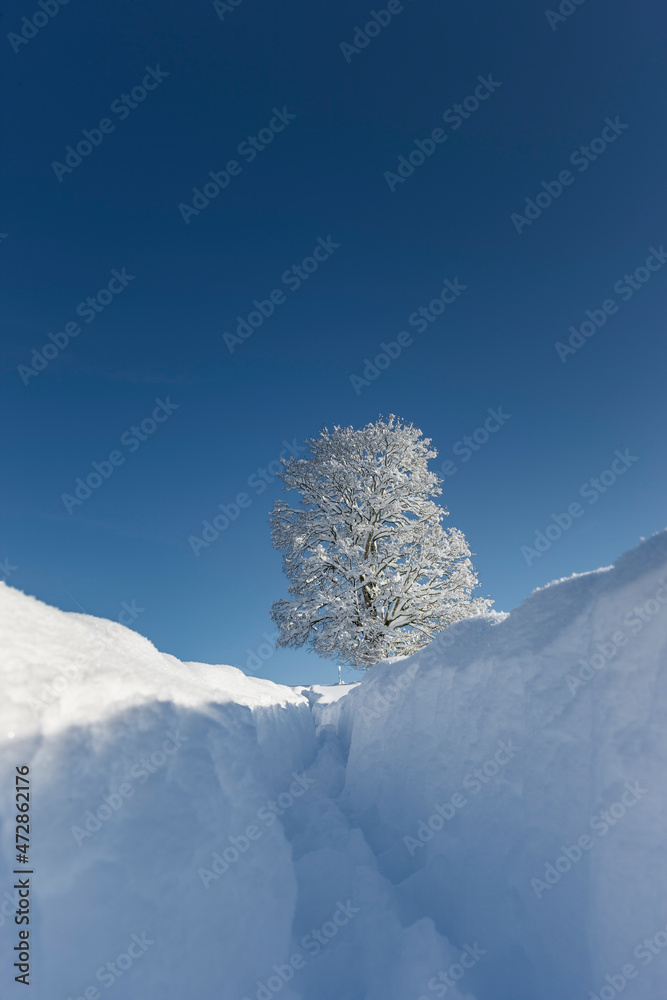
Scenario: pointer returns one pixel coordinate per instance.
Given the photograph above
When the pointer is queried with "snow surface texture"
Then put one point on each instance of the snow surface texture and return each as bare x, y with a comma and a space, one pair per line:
429, 845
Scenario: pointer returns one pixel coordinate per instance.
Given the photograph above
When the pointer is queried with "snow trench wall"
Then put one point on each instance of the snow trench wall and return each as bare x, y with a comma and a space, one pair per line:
141, 769
475, 769
483, 821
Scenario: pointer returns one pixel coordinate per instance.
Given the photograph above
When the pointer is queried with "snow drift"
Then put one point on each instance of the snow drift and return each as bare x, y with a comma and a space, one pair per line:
483, 821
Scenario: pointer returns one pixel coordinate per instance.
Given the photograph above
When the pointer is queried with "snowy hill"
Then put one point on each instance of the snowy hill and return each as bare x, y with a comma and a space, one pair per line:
486, 820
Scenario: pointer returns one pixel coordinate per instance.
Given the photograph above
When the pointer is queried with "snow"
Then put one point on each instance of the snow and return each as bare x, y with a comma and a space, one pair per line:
260, 817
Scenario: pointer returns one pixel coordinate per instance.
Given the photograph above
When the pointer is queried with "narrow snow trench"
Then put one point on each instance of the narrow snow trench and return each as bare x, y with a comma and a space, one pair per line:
347, 938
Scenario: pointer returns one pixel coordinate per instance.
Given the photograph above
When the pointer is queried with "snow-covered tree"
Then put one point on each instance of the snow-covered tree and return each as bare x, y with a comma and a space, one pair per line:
372, 572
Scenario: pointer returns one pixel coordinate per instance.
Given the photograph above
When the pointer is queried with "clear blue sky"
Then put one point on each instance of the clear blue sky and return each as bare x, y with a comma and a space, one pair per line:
207, 83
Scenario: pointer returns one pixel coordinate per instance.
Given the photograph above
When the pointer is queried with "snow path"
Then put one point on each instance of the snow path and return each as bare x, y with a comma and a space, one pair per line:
372, 955
372, 842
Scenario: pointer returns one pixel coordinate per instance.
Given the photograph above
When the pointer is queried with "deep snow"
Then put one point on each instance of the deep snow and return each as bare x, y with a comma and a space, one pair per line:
377, 841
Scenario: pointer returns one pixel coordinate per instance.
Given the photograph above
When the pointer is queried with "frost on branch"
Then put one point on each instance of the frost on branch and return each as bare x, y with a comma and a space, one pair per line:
372, 572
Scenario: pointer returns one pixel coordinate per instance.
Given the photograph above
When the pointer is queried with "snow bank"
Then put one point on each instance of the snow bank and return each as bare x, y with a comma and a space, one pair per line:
475, 768
142, 767
483, 821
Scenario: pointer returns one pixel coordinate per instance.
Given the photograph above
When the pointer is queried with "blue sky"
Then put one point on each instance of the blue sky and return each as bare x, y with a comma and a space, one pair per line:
306, 136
